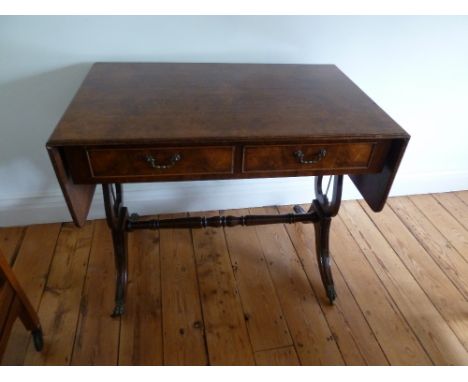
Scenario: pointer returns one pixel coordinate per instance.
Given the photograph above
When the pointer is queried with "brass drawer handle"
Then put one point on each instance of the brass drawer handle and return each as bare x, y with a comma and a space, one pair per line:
317, 157
174, 159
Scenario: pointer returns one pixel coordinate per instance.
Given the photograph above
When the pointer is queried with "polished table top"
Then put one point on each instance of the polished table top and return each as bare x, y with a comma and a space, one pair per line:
164, 102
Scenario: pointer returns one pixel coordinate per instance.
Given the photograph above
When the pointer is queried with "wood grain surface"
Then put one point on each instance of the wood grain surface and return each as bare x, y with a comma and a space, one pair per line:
253, 295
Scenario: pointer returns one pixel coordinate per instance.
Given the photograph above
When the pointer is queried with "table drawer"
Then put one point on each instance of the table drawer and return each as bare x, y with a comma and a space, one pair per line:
294, 158
159, 162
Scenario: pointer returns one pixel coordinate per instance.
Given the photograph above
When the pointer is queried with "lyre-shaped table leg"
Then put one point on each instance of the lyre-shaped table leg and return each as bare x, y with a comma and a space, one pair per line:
117, 217
325, 210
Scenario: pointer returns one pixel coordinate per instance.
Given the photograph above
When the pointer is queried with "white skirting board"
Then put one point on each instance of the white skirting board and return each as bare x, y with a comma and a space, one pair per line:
168, 197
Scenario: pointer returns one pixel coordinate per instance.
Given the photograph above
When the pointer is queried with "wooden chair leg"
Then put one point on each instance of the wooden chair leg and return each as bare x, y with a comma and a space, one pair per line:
7, 326
31, 322
21, 306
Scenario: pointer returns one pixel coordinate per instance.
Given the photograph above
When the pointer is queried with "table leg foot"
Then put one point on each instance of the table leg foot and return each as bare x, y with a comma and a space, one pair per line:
119, 309
331, 294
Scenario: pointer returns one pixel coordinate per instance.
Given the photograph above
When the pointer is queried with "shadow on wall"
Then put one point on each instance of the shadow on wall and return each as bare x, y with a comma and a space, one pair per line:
30, 108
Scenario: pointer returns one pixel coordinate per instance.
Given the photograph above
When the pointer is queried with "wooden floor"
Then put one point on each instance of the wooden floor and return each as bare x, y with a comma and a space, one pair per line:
253, 295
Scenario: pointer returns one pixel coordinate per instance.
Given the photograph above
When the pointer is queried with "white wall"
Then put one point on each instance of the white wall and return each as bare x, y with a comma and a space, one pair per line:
415, 68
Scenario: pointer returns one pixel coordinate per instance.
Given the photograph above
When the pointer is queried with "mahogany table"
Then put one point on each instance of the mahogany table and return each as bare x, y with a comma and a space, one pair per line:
151, 122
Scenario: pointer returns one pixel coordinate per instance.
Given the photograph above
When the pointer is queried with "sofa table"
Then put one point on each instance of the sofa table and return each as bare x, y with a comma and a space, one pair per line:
151, 122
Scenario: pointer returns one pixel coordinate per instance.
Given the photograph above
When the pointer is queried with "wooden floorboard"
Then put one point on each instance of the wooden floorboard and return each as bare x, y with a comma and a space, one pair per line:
226, 333
60, 304
10, 240
396, 337
183, 328
141, 339
313, 339
31, 267
262, 310
433, 270
434, 334
463, 196
253, 295
97, 336
355, 338
455, 206
277, 357
445, 223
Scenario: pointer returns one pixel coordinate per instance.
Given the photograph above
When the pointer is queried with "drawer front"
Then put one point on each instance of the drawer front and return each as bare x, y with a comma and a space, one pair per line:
300, 158
159, 162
